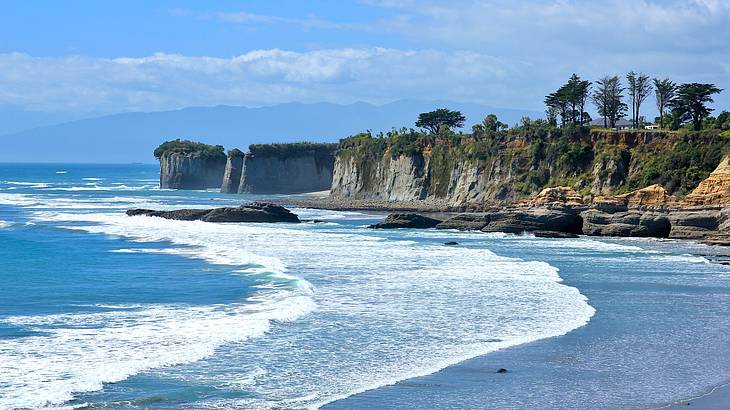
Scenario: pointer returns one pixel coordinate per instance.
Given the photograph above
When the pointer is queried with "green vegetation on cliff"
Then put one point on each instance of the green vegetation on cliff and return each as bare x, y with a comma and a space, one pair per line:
178, 146
291, 150
535, 155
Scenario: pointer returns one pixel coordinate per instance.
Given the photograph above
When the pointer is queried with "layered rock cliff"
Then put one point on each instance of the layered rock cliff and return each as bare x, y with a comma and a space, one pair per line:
281, 169
502, 168
715, 190
190, 165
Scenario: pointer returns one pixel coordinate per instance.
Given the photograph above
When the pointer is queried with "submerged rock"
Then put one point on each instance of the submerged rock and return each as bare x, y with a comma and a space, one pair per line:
554, 234
415, 221
253, 212
451, 243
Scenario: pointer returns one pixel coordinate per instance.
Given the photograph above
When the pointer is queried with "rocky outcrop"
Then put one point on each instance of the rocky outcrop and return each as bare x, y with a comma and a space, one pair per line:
409, 220
233, 172
561, 195
191, 171
629, 223
253, 212
281, 169
520, 220
715, 190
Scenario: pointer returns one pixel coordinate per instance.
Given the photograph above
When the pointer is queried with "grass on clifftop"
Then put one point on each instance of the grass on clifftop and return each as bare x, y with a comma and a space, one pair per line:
295, 149
178, 146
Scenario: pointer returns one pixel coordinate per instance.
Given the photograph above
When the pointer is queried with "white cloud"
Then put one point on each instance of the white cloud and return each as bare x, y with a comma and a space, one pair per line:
258, 77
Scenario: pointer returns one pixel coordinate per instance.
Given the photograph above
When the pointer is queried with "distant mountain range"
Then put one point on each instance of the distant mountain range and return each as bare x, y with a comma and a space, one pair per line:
131, 137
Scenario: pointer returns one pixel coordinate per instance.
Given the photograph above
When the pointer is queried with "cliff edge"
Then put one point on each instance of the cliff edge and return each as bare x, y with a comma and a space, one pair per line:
190, 165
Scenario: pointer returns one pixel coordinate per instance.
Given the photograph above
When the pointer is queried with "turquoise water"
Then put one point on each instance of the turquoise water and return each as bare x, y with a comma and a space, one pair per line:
101, 310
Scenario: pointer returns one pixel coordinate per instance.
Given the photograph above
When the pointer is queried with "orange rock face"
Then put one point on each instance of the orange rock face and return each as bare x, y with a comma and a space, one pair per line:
650, 196
563, 195
653, 195
715, 190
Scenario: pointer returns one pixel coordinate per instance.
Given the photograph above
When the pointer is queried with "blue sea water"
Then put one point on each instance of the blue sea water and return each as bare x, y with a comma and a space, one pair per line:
102, 310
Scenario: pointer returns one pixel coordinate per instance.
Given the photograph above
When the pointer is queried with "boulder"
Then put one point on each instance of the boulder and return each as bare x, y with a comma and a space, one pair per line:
400, 220
253, 212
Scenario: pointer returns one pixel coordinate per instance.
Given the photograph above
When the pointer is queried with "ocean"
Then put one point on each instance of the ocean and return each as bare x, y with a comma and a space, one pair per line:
102, 310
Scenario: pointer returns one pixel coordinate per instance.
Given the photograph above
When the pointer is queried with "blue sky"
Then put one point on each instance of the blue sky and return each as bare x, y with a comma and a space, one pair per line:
112, 56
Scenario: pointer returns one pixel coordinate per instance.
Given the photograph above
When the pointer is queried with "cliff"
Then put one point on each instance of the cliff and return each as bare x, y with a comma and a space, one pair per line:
715, 190
496, 168
281, 169
232, 174
190, 165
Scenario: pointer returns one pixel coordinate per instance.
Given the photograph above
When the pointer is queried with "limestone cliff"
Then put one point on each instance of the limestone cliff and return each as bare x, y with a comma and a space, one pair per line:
190, 165
234, 169
281, 169
506, 167
715, 190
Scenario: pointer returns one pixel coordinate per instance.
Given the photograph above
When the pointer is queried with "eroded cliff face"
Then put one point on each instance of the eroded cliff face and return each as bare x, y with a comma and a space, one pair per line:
293, 175
232, 174
715, 190
463, 171
191, 171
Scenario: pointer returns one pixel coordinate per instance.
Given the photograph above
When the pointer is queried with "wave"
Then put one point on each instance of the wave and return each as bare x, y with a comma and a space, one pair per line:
5, 224
118, 344
439, 305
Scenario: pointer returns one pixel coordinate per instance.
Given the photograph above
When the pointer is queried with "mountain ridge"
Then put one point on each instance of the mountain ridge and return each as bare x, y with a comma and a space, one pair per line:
131, 136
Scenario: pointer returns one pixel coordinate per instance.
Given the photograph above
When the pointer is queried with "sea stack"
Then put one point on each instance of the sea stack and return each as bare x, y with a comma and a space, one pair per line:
190, 165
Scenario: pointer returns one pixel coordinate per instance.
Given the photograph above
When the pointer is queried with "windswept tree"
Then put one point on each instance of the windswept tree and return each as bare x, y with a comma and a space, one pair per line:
639, 89
665, 91
690, 103
433, 120
569, 101
490, 125
608, 98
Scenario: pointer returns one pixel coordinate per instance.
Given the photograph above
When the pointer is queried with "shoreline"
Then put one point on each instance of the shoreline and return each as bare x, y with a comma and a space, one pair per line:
716, 398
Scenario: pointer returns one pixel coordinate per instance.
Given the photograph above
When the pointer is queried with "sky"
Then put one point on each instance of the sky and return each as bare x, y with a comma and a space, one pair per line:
81, 57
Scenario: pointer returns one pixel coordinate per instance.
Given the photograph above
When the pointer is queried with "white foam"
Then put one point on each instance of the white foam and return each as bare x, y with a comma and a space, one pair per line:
411, 308
111, 346
61, 172
5, 224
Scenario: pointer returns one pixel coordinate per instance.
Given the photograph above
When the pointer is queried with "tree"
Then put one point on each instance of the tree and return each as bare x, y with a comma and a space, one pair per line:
690, 103
569, 101
639, 88
664, 91
608, 98
434, 119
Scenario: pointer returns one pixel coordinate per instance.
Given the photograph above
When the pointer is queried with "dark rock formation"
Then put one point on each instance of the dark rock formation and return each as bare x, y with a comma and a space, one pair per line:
253, 212
415, 221
554, 234
518, 220
451, 243
632, 223
535, 219
466, 222
695, 223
